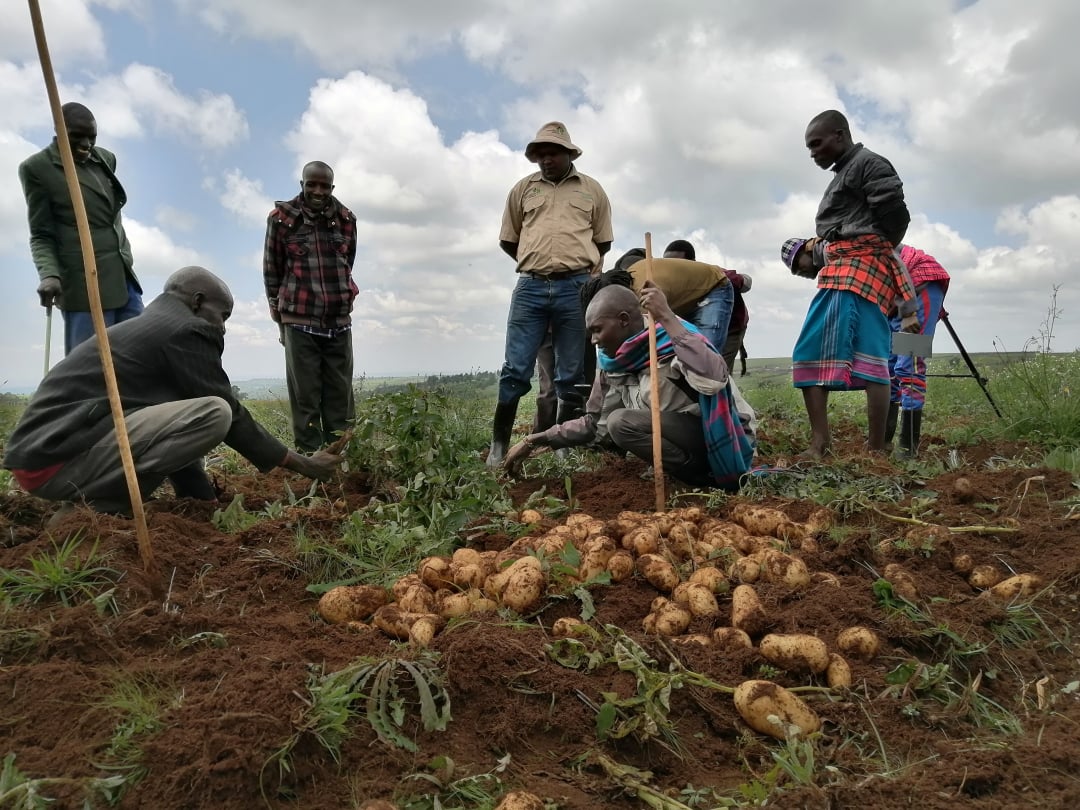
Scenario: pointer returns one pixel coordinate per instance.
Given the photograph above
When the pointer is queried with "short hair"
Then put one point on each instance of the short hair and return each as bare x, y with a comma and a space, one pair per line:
682, 246
629, 259
590, 288
833, 119
319, 165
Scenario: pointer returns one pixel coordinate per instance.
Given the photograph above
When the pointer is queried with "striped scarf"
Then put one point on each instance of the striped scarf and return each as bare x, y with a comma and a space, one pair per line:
729, 449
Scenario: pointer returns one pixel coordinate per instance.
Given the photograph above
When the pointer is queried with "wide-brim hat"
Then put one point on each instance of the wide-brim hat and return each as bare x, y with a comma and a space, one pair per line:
552, 132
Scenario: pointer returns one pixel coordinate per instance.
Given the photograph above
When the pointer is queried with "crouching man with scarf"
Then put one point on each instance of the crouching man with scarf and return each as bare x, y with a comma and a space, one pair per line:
707, 428
845, 340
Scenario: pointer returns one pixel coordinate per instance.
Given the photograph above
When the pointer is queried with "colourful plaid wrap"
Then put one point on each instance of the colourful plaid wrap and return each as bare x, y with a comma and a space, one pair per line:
843, 345
729, 449
867, 266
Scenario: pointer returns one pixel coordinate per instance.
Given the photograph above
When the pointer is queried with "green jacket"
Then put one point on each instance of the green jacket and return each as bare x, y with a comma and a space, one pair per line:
54, 236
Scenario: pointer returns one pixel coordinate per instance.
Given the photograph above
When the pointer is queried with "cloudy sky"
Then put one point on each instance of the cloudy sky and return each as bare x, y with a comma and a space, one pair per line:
691, 114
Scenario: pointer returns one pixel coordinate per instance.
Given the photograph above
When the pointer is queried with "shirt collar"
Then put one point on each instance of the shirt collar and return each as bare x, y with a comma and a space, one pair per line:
845, 158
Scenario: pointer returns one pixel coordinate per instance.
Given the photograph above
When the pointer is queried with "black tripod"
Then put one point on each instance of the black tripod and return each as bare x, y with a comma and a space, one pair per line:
981, 380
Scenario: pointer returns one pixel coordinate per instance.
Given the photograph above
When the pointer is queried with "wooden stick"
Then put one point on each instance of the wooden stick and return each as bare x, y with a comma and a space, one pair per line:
654, 392
146, 551
48, 339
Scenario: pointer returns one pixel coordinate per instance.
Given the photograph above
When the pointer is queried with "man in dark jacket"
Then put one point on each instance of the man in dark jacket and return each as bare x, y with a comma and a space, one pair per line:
177, 400
307, 269
54, 236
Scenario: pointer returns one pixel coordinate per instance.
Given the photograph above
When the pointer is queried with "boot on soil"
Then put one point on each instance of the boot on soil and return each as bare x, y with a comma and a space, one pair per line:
910, 430
890, 423
570, 408
502, 427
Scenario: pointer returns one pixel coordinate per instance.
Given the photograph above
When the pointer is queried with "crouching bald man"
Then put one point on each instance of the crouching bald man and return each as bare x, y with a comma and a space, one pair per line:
177, 400
707, 430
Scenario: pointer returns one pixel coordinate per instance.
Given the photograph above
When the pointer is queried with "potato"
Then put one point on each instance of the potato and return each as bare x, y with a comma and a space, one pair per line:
673, 620
825, 578
783, 569
731, 638
809, 545
435, 572
747, 613
568, 626
903, 583
984, 576
658, 604
643, 540
694, 638
795, 652
761, 520
663, 522
397, 623
658, 572
681, 539
858, 642
347, 603
595, 557
599, 542
694, 514
771, 709
621, 566
963, 564
725, 535
484, 605
495, 584
712, 578
838, 674
524, 589
701, 602
468, 576
465, 556
530, 516
1021, 586
417, 599
455, 605
423, 630
520, 800
963, 489
408, 581
746, 570
819, 522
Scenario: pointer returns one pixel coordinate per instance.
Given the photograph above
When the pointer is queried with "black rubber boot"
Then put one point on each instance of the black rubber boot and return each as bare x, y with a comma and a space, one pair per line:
890, 421
570, 408
192, 482
910, 429
502, 427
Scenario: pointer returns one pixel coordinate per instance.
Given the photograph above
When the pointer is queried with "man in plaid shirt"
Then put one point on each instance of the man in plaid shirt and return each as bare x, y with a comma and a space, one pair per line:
845, 340
307, 269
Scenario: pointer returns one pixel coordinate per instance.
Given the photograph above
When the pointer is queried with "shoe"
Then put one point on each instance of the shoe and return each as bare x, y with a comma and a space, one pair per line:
502, 428
910, 430
890, 421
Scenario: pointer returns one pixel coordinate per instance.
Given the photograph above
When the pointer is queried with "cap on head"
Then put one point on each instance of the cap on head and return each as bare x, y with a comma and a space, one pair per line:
790, 252
552, 132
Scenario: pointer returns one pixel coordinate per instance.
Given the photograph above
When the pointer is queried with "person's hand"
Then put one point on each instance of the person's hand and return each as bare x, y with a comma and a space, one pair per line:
320, 465
654, 302
275, 316
49, 290
516, 455
910, 323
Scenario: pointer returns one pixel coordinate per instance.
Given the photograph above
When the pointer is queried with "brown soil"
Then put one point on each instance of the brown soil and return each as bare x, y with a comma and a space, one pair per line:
238, 703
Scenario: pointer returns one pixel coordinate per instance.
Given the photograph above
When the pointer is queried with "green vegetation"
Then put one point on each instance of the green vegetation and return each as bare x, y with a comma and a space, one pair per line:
67, 575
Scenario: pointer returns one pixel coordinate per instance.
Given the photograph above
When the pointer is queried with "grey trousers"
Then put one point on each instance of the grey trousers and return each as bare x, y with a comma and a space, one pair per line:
164, 439
319, 373
682, 442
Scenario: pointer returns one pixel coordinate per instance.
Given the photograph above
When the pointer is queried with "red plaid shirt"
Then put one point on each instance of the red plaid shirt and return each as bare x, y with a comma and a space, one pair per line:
868, 267
307, 264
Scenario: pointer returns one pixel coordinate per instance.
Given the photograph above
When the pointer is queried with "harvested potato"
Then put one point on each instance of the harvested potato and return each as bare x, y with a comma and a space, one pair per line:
700, 639
681, 539
747, 613
658, 572
524, 588
984, 576
712, 578
963, 489
465, 556
838, 674
530, 517
1021, 586
771, 709
819, 522
858, 642
621, 566
701, 602
746, 570
348, 603
809, 545
903, 583
468, 576
423, 630
672, 620
663, 521
520, 800
825, 578
568, 626
658, 604
578, 519
725, 535
963, 564
762, 520
455, 605
495, 584
417, 599
435, 572
397, 623
784, 569
731, 638
795, 652
403, 584
643, 540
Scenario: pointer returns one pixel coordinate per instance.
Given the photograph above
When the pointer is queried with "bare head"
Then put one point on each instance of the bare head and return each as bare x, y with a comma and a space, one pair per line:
317, 184
680, 249
828, 136
203, 293
613, 315
81, 129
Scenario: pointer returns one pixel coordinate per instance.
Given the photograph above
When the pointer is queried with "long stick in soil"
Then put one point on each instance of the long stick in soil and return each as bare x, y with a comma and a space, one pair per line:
146, 551
654, 391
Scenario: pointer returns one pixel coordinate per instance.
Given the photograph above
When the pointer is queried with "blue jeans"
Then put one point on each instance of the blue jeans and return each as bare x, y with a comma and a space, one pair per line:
713, 315
79, 326
907, 383
535, 304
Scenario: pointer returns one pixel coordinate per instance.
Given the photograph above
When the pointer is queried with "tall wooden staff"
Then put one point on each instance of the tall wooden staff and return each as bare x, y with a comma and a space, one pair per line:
146, 551
654, 391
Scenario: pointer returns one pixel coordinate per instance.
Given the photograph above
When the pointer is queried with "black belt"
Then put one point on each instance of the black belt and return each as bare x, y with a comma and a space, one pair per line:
556, 276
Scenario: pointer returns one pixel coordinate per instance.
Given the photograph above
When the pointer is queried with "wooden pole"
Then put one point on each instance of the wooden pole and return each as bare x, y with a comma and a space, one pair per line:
654, 392
48, 338
146, 551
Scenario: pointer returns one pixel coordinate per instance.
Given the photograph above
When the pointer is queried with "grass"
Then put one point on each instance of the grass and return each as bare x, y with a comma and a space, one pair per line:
64, 576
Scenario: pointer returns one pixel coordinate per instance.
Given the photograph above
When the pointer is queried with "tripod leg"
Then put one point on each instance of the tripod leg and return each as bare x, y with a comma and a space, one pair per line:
971, 365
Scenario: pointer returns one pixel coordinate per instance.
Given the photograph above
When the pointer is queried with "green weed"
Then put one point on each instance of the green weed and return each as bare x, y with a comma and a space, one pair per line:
448, 788
64, 576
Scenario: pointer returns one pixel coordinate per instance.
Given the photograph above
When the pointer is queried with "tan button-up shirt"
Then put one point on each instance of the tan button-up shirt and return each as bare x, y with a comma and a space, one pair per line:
557, 225
684, 282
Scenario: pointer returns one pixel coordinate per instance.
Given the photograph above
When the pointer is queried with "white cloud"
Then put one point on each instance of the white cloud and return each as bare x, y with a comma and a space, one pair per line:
242, 196
157, 256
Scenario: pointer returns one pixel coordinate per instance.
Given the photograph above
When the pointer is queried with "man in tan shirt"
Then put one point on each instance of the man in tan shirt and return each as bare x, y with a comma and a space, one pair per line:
557, 227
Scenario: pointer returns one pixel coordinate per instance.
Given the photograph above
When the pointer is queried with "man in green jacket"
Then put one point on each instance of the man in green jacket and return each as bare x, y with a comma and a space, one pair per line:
54, 236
